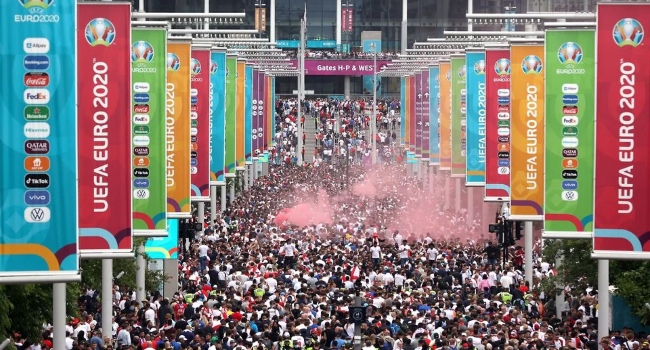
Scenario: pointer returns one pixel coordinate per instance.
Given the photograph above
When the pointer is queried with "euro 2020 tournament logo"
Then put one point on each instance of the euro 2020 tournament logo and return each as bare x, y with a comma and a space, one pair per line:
437, 78
213, 67
479, 67
531, 65
462, 71
100, 31
195, 66
173, 62
448, 75
628, 32
569, 53
141, 52
502, 66
36, 6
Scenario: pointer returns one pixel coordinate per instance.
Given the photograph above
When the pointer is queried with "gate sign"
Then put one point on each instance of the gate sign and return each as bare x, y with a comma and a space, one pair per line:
621, 222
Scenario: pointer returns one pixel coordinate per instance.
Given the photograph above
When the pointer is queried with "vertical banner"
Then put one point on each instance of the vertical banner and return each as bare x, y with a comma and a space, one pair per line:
38, 96
445, 115
218, 116
231, 114
417, 100
200, 128
344, 19
407, 113
527, 132
104, 92
458, 115
434, 116
248, 108
179, 101
402, 110
267, 108
148, 72
497, 124
258, 114
164, 247
426, 132
570, 64
621, 223
413, 117
269, 117
371, 46
475, 165
272, 114
240, 124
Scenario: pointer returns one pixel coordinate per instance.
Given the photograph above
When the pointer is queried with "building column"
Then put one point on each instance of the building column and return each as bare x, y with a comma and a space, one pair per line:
405, 8
346, 86
272, 20
338, 24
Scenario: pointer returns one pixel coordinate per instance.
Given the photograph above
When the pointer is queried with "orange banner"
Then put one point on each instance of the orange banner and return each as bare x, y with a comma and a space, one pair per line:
445, 115
179, 53
407, 112
526, 132
241, 114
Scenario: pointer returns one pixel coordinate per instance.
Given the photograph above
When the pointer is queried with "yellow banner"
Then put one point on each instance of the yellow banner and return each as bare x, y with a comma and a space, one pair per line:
445, 115
407, 112
527, 132
178, 129
241, 114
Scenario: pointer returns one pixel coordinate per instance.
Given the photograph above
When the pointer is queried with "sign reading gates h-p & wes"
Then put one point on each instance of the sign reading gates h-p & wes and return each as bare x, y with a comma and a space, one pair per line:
38, 184
103, 80
148, 63
621, 220
570, 93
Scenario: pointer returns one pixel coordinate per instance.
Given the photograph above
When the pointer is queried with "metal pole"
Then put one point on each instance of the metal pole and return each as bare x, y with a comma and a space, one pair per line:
272, 20
58, 315
338, 23
470, 207
357, 327
140, 274
301, 88
559, 298
233, 183
447, 192
201, 216
470, 10
457, 186
140, 10
206, 9
404, 41
603, 299
213, 204
373, 117
223, 197
107, 298
528, 251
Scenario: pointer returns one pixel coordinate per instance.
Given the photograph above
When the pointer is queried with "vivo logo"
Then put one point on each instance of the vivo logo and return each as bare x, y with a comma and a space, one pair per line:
570, 185
141, 183
37, 198
503, 162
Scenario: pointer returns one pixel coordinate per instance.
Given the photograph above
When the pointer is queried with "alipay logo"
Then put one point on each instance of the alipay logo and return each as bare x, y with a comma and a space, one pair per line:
36, 45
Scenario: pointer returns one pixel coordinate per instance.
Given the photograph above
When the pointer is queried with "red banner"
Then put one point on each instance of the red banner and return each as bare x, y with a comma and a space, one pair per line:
621, 220
267, 104
344, 19
497, 125
350, 20
200, 124
104, 128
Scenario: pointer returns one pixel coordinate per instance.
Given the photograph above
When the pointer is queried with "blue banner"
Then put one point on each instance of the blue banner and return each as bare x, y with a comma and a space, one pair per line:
164, 247
368, 80
217, 116
248, 113
287, 44
434, 118
321, 44
475, 164
402, 109
38, 185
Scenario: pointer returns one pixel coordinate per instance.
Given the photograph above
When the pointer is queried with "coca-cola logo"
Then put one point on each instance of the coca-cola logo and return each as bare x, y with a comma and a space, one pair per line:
141, 109
36, 79
194, 108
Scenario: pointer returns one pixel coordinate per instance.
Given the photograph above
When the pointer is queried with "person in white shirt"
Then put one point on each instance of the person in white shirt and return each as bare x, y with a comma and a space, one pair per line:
376, 255
404, 253
289, 251
432, 254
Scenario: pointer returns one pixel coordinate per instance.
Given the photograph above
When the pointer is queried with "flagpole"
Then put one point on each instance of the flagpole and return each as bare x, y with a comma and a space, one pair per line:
301, 84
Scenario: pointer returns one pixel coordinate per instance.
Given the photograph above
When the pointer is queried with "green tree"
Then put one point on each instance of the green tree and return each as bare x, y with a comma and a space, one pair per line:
578, 270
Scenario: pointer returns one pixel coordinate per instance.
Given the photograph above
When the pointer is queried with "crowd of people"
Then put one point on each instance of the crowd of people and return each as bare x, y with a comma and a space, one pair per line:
334, 55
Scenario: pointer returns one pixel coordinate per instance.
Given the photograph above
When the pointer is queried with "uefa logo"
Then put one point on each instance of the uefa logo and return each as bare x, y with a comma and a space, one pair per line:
227, 71
479, 67
531, 65
213, 67
502, 66
195, 66
628, 32
100, 31
448, 75
569, 53
462, 71
36, 6
173, 62
141, 51
437, 78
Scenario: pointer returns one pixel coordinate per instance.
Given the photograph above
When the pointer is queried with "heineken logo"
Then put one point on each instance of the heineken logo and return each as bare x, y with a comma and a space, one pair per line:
37, 113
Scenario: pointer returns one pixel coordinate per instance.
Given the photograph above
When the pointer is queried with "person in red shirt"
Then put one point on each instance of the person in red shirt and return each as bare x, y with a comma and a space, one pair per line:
179, 309
518, 260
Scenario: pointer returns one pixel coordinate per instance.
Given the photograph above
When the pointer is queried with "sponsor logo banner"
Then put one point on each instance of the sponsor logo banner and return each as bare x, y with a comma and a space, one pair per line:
416, 100
248, 112
425, 113
178, 129
568, 146
527, 131
445, 115
621, 219
39, 177
201, 83
148, 65
240, 124
231, 113
434, 116
458, 116
475, 165
497, 163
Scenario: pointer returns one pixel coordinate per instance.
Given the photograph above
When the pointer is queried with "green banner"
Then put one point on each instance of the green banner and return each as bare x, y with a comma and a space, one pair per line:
149, 62
570, 92
458, 115
231, 113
